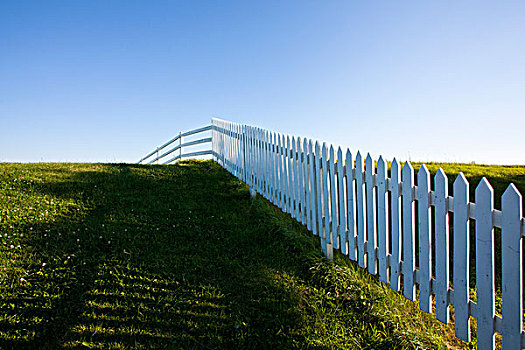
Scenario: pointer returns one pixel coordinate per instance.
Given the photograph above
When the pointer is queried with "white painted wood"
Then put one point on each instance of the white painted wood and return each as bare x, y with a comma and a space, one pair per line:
298, 186
238, 144
461, 258
258, 174
275, 161
425, 239
326, 196
350, 206
382, 217
232, 148
409, 253
361, 205
245, 153
289, 177
295, 180
281, 171
267, 164
305, 190
292, 179
485, 266
262, 164
319, 195
395, 256
236, 153
251, 158
442, 246
333, 200
512, 269
269, 152
312, 212
248, 156
371, 211
341, 227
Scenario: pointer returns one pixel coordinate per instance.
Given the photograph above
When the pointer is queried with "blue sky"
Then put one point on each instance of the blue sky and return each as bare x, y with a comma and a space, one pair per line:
108, 81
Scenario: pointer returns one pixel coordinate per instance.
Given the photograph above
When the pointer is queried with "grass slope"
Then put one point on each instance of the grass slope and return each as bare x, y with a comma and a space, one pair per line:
127, 256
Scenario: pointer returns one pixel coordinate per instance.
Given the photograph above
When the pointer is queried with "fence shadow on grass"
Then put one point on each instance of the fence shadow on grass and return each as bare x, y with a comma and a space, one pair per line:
159, 257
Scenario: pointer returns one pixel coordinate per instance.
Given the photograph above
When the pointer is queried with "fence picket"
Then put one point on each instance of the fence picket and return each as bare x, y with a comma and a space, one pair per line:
264, 164
409, 254
275, 161
512, 269
326, 197
371, 214
312, 213
333, 200
442, 245
485, 267
341, 227
257, 160
350, 206
289, 162
382, 217
461, 258
295, 180
395, 200
304, 182
281, 171
361, 205
425, 239
319, 195
285, 174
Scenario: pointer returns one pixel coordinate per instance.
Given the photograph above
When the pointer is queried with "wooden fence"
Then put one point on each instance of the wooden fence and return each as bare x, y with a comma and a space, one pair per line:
176, 152
391, 226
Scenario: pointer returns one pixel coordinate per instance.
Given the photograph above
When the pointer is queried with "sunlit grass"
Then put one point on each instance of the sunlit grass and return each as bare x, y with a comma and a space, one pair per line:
127, 256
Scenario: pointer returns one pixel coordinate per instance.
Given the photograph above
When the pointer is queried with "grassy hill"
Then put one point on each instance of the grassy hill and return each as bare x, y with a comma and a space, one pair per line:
128, 256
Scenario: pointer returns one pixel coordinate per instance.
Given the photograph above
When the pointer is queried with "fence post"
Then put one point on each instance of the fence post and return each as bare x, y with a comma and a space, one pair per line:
180, 143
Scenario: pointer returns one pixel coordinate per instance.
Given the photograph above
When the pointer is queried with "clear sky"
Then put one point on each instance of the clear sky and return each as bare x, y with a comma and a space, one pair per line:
109, 80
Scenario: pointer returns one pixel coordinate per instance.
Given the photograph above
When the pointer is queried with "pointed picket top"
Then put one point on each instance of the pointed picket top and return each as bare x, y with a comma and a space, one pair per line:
407, 171
305, 147
423, 177
394, 167
310, 146
324, 151
484, 187
340, 155
381, 166
511, 196
407, 167
358, 158
423, 171
317, 148
512, 269
332, 155
349, 159
461, 180
368, 162
440, 176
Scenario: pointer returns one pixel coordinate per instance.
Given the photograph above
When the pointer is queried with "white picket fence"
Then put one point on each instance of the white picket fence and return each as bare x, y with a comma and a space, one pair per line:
371, 217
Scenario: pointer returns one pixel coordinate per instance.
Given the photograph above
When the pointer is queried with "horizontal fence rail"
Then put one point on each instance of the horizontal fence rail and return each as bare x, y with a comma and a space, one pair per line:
396, 223
179, 147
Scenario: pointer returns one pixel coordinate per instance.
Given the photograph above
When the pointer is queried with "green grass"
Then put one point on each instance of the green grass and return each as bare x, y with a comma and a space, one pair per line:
128, 256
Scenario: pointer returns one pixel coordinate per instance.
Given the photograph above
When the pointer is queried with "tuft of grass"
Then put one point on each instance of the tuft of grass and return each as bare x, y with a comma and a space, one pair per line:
131, 256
